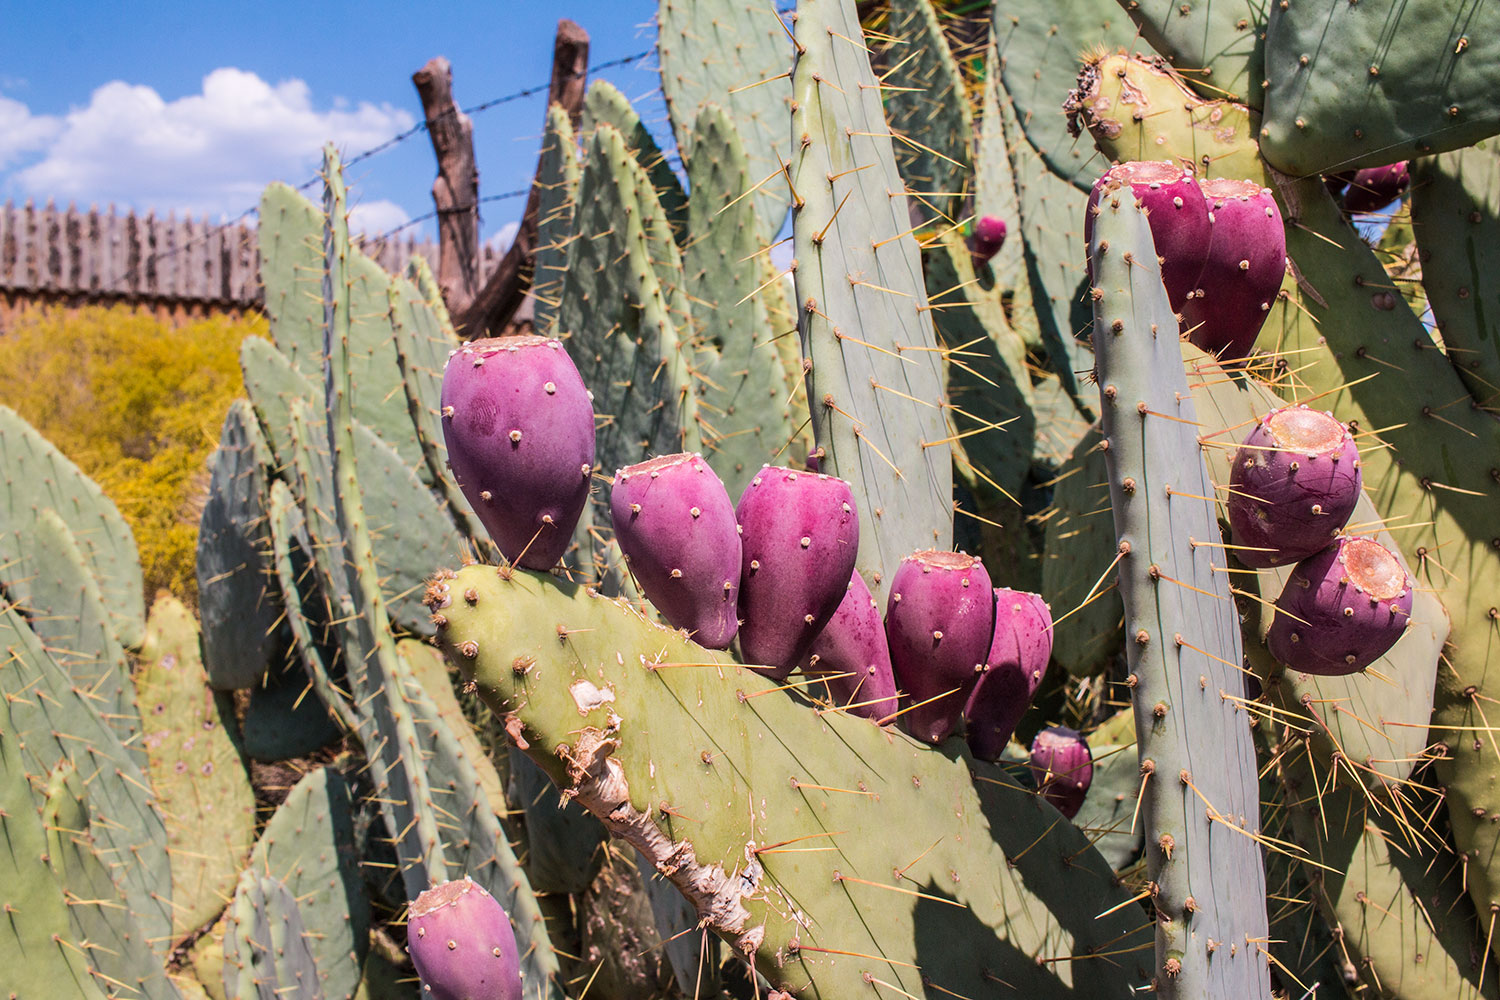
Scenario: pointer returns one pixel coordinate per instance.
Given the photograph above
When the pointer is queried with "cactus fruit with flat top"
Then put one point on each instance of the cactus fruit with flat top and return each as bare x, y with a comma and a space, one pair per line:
1341, 608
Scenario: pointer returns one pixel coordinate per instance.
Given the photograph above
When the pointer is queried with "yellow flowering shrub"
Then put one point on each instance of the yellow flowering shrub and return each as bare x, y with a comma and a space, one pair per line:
137, 403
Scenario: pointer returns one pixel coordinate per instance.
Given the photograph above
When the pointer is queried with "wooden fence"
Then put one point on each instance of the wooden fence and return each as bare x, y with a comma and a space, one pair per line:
176, 267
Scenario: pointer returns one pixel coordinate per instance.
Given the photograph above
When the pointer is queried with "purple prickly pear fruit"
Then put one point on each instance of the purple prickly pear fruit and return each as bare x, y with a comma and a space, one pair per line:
987, 237
939, 621
1176, 212
462, 944
1341, 609
676, 525
1063, 768
1293, 484
1017, 662
799, 533
852, 656
1373, 188
519, 426
1246, 262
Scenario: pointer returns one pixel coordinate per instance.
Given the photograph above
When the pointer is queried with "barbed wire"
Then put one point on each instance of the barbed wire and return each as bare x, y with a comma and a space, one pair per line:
518, 193
381, 147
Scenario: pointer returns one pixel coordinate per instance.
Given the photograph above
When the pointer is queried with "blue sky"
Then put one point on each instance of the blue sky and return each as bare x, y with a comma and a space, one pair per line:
195, 107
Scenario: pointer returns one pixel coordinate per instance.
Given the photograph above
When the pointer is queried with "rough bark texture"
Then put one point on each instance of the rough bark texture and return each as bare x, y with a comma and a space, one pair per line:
455, 192
497, 301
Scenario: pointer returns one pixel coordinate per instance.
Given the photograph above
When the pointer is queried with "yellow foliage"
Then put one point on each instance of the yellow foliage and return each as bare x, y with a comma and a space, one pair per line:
137, 403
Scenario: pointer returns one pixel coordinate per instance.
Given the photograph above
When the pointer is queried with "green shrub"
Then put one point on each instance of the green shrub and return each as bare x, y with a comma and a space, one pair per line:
137, 403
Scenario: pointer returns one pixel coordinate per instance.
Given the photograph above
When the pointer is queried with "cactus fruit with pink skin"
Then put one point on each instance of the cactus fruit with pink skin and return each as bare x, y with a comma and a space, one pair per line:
1243, 270
1373, 188
852, 657
1017, 662
462, 944
1063, 768
1292, 487
939, 621
1341, 609
676, 525
1176, 211
799, 534
519, 426
987, 237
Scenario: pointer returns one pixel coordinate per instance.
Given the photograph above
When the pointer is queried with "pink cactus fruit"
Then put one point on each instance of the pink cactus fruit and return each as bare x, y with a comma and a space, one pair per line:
462, 944
1292, 486
1063, 768
676, 525
1245, 264
1341, 609
939, 620
519, 427
1017, 662
1373, 188
1175, 210
852, 657
799, 534
987, 237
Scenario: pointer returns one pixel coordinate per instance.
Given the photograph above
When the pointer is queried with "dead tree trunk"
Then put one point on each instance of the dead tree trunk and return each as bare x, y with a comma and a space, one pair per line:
497, 301
456, 189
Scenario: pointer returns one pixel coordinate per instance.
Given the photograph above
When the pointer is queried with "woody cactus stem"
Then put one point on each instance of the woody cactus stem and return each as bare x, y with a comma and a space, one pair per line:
1207, 878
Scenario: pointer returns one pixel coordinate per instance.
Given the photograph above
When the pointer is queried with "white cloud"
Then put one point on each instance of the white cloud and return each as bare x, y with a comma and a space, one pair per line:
504, 237
376, 218
208, 153
22, 132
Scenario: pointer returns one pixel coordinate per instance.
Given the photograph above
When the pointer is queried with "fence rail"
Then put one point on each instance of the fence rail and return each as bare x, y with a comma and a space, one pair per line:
47, 254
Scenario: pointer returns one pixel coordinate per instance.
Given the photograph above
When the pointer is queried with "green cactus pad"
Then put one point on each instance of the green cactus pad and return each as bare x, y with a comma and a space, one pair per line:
989, 387
1436, 482
1108, 815
430, 670
1360, 85
744, 391
236, 595
117, 952
308, 846
621, 331
267, 948
995, 194
564, 842
40, 957
1080, 545
51, 582
605, 104
928, 112
1217, 45
876, 383
758, 809
557, 173
1043, 45
1137, 109
1455, 213
202, 790
37, 697
39, 477
1200, 799
732, 54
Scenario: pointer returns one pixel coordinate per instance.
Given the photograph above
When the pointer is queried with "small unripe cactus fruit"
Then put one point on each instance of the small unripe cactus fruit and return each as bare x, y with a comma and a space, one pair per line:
939, 621
462, 944
1017, 662
1341, 609
1373, 188
1292, 487
799, 533
519, 426
1063, 768
676, 525
852, 656
987, 238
